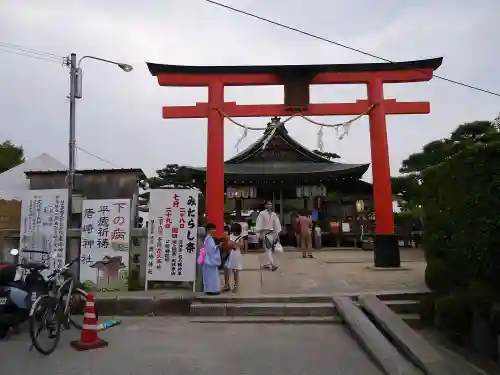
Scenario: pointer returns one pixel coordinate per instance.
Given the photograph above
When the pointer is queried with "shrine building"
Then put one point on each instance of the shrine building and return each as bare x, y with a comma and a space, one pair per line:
278, 168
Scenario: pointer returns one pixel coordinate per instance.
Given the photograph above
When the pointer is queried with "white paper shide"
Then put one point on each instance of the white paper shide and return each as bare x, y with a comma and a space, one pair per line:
172, 235
44, 216
105, 242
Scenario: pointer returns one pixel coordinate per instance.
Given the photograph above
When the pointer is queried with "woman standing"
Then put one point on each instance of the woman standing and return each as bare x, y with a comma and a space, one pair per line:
234, 263
304, 225
211, 263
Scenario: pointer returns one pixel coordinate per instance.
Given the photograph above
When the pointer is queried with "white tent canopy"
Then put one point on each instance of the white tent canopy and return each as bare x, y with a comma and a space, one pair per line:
14, 184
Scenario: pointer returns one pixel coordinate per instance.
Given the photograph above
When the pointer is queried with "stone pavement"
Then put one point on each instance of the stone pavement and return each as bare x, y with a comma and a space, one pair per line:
332, 272
174, 346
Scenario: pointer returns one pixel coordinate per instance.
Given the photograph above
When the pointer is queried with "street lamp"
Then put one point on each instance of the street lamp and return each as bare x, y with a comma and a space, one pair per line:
76, 93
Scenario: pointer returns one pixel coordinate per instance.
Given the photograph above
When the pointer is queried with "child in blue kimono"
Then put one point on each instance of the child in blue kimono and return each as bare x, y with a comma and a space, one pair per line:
211, 263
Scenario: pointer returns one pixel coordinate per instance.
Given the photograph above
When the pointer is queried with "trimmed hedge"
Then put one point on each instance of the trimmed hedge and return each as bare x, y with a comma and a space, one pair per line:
462, 233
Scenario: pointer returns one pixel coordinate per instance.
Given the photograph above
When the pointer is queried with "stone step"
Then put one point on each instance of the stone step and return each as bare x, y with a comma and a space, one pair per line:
307, 298
410, 295
229, 299
268, 319
403, 307
263, 309
413, 320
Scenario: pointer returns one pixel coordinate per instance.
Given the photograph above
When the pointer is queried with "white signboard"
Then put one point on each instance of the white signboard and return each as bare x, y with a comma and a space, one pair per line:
172, 235
44, 216
104, 244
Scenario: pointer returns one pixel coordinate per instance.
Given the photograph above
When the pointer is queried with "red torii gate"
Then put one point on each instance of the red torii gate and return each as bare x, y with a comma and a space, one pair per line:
296, 80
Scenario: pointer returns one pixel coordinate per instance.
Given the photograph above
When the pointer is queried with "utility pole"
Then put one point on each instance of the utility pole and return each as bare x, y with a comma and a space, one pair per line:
75, 92
72, 141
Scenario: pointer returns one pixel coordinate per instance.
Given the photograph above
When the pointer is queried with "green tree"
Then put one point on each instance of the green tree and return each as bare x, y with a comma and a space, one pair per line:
407, 187
327, 155
10, 155
173, 175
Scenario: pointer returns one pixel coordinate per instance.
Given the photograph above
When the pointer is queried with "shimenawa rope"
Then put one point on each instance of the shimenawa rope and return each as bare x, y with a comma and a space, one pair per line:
274, 125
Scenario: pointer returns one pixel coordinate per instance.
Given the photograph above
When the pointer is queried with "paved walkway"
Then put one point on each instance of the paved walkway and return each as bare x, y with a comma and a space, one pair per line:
339, 271
143, 346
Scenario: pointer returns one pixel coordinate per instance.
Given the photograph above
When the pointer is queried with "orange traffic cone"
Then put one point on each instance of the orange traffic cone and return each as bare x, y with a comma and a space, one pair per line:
89, 338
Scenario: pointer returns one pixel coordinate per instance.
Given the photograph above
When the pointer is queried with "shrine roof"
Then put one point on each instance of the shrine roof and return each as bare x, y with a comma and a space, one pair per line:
156, 69
289, 168
250, 153
280, 154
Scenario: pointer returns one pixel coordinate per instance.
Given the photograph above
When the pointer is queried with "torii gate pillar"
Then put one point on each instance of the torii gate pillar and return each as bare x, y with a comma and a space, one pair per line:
296, 80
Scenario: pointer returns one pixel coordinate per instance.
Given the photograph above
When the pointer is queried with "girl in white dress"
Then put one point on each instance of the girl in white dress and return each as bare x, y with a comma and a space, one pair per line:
234, 263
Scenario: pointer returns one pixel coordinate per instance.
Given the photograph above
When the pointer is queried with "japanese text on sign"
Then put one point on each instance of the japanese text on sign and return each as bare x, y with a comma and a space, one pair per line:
43, 226
105, 241
172, 235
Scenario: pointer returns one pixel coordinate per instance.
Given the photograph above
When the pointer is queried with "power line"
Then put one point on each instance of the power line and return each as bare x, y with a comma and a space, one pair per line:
32, 56
29, 50
46, 56
340, 44
97, 157
6, 138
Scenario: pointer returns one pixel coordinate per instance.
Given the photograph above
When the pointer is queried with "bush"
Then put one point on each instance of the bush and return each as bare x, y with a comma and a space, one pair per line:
427, 309
437, 276
462, 216
462, 237
453, 316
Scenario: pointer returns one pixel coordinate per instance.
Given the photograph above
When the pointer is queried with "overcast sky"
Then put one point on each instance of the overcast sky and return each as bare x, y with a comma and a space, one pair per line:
119, 117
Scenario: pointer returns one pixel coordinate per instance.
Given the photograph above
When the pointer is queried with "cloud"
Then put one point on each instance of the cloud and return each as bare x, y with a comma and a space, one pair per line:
119, 117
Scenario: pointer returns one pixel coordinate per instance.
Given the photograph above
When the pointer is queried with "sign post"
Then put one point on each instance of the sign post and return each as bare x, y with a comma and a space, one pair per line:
104, 259
172, 235
44, 214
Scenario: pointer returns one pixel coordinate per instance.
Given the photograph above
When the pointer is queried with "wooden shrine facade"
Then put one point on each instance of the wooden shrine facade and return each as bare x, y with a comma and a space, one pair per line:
278, 168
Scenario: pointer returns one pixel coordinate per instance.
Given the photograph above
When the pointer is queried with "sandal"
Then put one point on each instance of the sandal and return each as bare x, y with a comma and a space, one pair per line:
226, 288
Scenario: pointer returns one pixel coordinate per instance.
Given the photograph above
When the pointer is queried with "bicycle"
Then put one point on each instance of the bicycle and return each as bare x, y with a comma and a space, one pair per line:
54, 309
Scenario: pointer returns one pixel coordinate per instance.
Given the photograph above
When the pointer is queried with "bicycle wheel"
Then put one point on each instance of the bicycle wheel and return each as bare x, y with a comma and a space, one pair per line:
45, 317
77, 306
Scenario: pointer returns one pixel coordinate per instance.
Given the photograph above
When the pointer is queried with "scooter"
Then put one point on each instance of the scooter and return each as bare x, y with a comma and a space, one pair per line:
16, 296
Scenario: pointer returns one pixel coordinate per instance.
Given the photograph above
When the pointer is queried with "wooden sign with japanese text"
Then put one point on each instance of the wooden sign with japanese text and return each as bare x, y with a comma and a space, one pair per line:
172, 235
105, 240
44, 215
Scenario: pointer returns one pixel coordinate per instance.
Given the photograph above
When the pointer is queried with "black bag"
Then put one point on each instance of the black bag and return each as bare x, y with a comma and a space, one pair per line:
224, 256
270, 244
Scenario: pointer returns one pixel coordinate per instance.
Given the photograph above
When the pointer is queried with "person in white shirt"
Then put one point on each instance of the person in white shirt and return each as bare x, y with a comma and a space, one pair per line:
268, 227
244, 235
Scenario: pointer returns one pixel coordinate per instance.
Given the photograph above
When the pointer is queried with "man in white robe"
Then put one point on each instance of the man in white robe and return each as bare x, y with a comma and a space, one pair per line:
268, 227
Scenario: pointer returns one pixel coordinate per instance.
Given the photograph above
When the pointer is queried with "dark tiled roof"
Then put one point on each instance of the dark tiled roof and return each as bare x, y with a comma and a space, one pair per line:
245, 164
156, 69
137, 171
289, 168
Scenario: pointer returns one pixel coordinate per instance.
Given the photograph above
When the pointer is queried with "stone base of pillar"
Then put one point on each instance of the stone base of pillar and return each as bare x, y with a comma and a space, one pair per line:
386, 252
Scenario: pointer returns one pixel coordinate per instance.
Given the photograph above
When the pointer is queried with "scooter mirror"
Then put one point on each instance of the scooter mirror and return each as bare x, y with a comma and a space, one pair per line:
14, 252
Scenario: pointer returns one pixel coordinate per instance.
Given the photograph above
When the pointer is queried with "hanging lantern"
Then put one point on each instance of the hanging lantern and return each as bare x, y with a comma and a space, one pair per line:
360, 205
